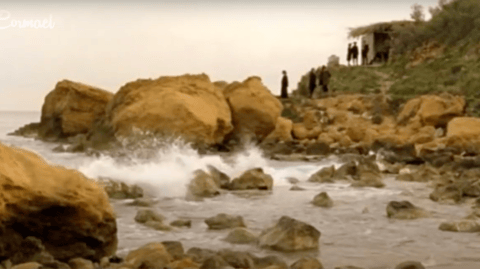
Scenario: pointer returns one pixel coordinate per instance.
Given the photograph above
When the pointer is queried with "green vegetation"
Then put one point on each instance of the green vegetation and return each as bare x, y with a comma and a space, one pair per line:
438, 55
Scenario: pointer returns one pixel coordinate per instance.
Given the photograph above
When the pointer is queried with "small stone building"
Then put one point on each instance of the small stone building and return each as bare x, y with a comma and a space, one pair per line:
378, 37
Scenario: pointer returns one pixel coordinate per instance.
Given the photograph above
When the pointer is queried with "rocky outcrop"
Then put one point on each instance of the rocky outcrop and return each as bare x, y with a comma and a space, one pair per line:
290, 235
189, 106
433, 110
58, 206
254, 109
72, 108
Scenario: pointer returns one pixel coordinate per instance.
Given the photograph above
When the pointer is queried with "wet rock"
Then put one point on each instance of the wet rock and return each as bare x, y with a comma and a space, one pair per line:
410, 265
423, 174
324, 175
199, 255
237, 259
105, 262
220, 178
348, 267
120, 190
28, 265
252, 179
396, 153
241, 236
143, 202
293, 180
346, 170
151, 255
157, 225
181, 223
215, 262
202, 185
290, 235
318, 148
224, 221
79, 263
145, 215
175, 249
307, 263
296, 188
404, 210
322, 200
464, 226
270, 262
29, 130
57, 205
56, 265
369, 179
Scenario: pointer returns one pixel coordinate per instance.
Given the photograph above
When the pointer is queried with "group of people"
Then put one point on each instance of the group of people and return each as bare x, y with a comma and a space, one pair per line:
323, 80
352, 54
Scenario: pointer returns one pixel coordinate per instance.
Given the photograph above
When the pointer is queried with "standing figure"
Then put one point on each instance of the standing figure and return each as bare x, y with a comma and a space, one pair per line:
284, 91
355, 53
365, 54
349, 53
324, 78
312, 82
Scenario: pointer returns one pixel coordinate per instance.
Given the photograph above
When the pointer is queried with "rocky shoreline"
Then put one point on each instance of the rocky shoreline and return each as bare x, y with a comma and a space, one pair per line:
57, 218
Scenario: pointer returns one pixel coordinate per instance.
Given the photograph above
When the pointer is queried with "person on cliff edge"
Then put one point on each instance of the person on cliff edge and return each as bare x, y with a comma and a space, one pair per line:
312, 82
324, 78
284, 91
355, 53
349, 53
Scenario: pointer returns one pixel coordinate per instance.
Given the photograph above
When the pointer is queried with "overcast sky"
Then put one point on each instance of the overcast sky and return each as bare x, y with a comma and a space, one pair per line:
109, 44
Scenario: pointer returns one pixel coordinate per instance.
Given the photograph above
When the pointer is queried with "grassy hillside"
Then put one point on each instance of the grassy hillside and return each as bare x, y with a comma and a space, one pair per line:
442, 54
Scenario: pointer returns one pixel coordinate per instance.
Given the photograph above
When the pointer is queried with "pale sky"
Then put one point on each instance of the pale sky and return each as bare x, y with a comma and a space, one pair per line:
107, 45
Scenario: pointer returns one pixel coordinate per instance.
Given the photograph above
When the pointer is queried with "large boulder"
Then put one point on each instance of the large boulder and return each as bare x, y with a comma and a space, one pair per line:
72, 108
202, 185
68, 212
464, 127
254, 109
152, 255
290, 235
434, 110
189, 106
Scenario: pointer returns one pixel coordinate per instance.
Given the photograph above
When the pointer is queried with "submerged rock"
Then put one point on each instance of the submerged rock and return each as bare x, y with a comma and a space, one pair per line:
252, 179
181, 223
270, 262
296, 188
410, 265
464, 226
224, 221
39, 197
241, 236
307, 263
322, 200
145, 215
290, 235
404, 210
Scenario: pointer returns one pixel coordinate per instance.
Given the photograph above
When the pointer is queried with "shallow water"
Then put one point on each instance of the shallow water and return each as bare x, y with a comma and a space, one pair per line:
349, 235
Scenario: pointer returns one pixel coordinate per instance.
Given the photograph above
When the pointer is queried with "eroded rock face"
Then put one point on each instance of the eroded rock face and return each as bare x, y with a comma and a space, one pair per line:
254, 109
253, 179
58, 206
72, 108
290, 235
189, 106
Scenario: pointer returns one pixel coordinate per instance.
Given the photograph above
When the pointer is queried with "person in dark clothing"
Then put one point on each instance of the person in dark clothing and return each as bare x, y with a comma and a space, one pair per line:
284, 91
355, 53
312, 82
349, 53
324, 79
365, 54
